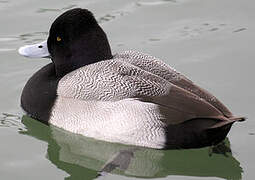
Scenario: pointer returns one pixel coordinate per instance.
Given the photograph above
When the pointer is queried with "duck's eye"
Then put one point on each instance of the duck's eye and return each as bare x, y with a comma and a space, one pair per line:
59, 39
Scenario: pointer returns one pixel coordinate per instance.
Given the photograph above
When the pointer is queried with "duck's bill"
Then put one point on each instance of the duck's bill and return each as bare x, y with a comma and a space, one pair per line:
39, 50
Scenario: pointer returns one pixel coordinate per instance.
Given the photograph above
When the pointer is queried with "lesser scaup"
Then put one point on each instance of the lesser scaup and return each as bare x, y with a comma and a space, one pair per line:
131, 97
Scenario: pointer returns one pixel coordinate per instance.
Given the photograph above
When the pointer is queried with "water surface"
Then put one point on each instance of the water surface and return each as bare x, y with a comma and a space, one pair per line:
212, 42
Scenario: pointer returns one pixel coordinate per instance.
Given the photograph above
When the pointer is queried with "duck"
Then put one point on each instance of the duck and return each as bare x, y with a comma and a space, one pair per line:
130, 97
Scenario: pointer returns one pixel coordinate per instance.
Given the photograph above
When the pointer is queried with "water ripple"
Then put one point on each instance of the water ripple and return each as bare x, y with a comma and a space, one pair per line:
33, 37
196, 28
109, 17
239, 30
11, 121
44, 10
153, 3
6, 49
7, 39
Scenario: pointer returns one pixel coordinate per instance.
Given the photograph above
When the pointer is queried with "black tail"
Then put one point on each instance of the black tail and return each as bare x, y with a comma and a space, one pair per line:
216, 135
197, 133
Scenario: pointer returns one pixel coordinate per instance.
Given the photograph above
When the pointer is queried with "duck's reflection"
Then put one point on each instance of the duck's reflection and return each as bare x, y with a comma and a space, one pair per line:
85, 158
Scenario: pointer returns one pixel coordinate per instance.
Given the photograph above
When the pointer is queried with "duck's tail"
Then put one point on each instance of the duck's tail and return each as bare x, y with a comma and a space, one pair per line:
230, 120
199, 132
240, 119
219, 131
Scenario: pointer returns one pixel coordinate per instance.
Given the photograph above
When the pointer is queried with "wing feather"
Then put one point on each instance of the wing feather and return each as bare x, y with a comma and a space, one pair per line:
114, 80
161, 69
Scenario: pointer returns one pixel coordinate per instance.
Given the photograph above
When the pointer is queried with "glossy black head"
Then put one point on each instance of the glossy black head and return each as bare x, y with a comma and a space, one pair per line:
75, 40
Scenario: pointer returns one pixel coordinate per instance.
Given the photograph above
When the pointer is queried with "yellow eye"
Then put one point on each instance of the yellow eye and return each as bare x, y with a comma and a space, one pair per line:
59, 39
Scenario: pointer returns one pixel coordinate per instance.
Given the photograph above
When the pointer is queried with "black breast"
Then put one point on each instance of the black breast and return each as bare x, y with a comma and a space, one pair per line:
39, 94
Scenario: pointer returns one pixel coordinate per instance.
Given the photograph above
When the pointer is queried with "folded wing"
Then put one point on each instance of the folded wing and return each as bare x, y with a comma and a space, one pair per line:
161, 69
114, 80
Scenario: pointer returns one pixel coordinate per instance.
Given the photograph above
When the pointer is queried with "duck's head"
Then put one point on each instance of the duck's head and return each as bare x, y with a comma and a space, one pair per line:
75, 40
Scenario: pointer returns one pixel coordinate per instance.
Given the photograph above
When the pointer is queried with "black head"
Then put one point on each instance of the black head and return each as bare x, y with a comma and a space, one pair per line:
75, 40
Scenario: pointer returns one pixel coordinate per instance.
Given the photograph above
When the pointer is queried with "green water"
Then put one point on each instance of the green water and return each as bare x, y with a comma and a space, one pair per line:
212, 42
